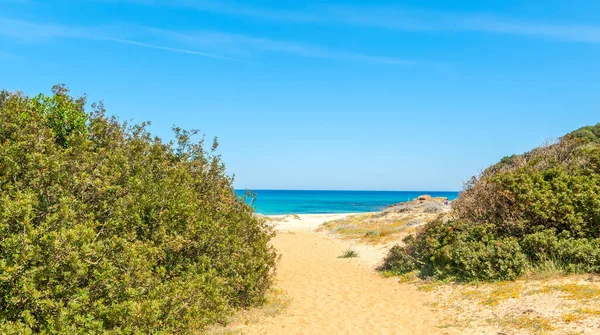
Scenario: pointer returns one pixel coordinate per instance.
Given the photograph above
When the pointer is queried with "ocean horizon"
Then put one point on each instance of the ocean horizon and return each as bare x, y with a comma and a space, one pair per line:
281, 202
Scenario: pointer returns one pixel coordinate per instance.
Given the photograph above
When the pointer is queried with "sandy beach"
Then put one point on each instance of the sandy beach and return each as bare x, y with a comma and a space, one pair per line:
326, 294
330, 295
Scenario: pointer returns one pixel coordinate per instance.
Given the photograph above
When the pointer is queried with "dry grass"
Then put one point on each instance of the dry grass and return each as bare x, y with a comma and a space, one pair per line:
495, 293
277, 302
531, 324
281, 218
388, 226
558, 305
572, 317
430, 286
372, 229
368, 228
577, 291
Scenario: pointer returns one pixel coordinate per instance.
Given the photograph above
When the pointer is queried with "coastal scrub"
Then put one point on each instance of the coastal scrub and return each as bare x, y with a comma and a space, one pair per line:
105, 229
533, 211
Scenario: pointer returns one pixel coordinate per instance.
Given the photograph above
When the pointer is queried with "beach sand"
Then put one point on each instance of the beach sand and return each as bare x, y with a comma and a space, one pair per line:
331, 295
326, 294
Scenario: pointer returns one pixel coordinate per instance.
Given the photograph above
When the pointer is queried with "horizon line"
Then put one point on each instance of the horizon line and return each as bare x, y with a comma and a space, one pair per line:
353, 190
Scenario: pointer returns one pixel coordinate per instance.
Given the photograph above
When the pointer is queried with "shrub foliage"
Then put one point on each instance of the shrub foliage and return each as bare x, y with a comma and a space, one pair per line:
527, 210
105, 229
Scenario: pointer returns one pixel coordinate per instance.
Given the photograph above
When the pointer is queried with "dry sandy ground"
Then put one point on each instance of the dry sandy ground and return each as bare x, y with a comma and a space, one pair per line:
319, 293
330, 295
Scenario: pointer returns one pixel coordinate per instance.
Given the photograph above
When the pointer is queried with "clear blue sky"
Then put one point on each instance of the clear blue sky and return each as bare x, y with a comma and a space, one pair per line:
400, 95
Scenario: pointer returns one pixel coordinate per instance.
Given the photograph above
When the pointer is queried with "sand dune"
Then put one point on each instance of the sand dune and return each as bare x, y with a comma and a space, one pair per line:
330, 295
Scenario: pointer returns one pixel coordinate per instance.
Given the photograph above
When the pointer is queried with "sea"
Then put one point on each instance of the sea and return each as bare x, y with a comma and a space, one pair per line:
278, 202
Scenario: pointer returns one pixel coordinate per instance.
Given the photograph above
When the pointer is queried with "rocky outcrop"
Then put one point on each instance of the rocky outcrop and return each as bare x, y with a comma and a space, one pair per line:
423, 204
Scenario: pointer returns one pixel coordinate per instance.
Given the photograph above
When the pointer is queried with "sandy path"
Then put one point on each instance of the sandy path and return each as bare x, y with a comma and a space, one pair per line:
330, 295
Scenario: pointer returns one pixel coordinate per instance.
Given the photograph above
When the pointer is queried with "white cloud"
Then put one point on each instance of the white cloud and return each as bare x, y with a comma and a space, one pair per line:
394, 18
225, 7
35, 32
236, 9
20, 2
165, 48
251, 45
32, 32
227, 46
573, 33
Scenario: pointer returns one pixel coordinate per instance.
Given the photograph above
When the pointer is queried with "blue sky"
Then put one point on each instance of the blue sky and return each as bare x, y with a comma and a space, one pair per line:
385, 95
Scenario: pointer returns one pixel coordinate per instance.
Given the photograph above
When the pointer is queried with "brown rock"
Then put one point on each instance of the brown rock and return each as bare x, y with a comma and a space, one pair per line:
424, 197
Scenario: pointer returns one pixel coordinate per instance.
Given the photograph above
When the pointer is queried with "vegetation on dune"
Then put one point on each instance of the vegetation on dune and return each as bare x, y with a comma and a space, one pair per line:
105, 229
560, 305
366, 227
521, 214
349, 254
389, 225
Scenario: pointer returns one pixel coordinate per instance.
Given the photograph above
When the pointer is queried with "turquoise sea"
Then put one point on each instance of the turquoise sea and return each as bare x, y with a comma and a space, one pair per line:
274, 202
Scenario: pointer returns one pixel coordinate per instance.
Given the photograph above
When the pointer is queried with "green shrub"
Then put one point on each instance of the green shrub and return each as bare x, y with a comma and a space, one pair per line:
541, 246
458, 251
542, 206
494, 260
398, 261
570, 254
349, 254
579, 255
63, 115
587, 134
105, 229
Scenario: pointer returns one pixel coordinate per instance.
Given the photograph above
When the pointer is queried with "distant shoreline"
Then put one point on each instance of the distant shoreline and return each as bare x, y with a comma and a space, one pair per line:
308, 190
288, 202
303, 222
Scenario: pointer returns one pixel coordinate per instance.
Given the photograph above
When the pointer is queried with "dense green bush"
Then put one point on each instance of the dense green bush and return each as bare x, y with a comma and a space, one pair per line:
455, 250
542, 206
105, 229
570, 254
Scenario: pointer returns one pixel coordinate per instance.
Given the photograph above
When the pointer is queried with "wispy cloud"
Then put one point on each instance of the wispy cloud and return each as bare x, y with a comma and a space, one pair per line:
394, 18
36, 32
572, 33
165, 48
236, 9
227, 7
220, 45
251, 45
32, 32
19, 2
